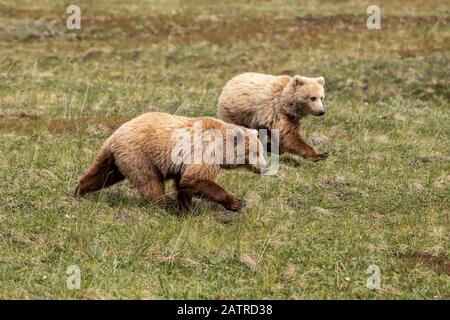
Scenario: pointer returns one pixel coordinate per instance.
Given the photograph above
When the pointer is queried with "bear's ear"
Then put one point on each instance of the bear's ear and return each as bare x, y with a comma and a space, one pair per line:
321, 80
298, 81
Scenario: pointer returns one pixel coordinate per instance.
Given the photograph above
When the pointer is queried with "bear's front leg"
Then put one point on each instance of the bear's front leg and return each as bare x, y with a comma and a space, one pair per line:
293, 142
211, 191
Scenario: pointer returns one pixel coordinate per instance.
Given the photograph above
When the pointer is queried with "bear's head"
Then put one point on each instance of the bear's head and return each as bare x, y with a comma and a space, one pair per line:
304, 96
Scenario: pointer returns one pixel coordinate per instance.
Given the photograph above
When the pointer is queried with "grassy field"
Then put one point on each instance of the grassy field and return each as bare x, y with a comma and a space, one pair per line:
381, 198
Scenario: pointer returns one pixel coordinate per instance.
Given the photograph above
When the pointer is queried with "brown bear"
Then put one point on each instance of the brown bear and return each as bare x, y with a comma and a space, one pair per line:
147, 150
261, 101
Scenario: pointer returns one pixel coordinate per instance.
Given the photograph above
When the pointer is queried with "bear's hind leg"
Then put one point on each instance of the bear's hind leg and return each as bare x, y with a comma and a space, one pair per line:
101, 174
143, 176
151, 187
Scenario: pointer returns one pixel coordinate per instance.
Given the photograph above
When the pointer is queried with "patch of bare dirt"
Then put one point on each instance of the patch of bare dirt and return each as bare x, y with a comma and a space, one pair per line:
184, 28
95, 53
322, 211
248, 261
442, 182
28, 123
226, 216
427, 159
340, 188
440, 263
319, 139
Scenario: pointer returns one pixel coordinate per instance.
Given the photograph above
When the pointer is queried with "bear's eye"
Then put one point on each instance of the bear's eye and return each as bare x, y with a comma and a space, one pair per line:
313, 98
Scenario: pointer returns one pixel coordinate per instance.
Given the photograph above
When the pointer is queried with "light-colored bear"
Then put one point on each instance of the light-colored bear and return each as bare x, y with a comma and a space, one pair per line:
261, 101
142, 151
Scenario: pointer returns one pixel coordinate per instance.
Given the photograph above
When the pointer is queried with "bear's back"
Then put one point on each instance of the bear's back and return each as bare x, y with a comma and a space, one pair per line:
248, 99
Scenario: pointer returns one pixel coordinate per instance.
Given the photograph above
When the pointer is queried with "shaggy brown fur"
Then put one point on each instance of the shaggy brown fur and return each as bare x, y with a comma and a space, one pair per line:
262, 101
140, 150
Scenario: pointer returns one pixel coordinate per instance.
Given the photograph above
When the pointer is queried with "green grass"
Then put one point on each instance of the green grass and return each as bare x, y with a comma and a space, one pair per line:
381, 198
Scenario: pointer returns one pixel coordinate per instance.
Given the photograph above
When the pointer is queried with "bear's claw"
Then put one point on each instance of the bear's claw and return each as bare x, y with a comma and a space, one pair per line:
236, 204
320, 156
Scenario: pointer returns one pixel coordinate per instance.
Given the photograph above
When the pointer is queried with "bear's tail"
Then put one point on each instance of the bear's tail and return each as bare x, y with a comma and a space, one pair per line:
102, 173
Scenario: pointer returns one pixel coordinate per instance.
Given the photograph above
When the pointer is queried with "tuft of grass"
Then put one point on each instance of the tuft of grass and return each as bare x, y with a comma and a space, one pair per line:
311, 233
